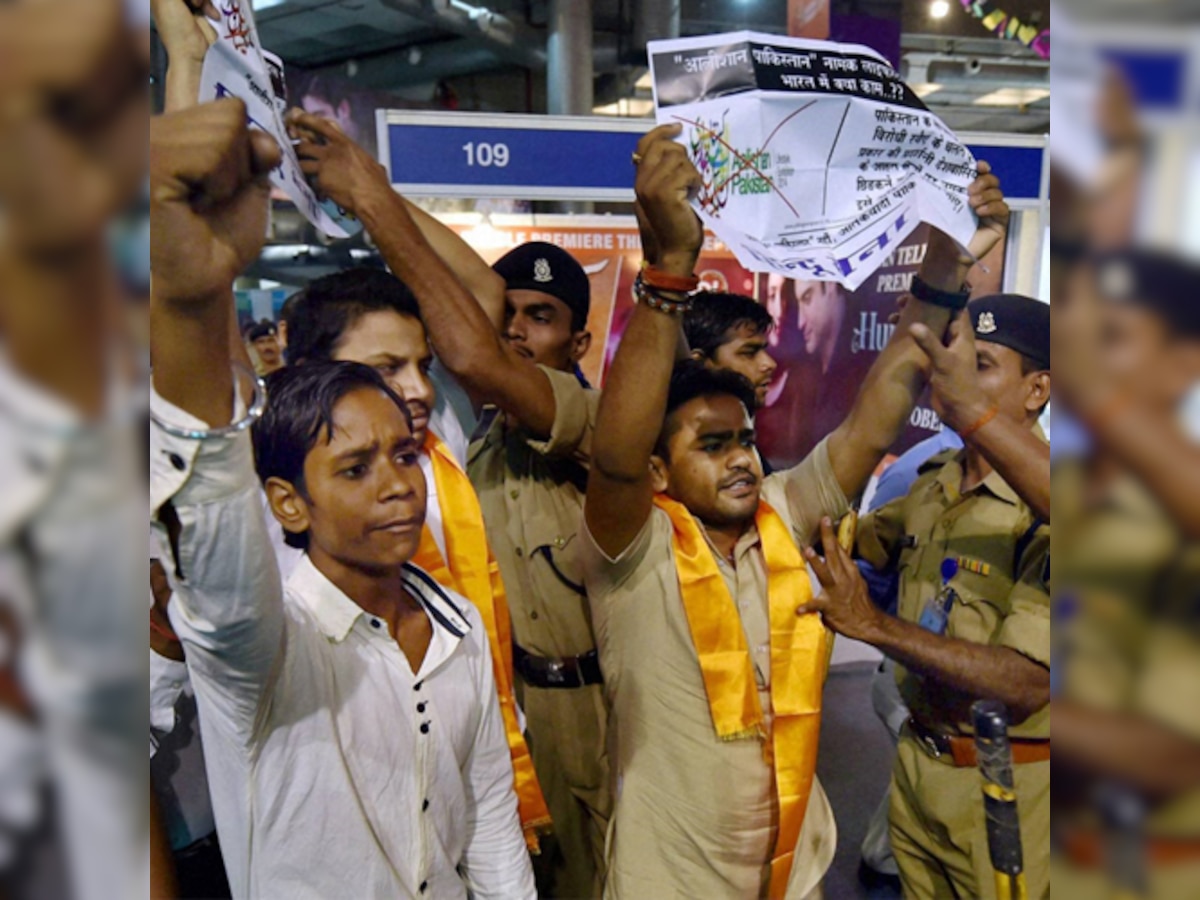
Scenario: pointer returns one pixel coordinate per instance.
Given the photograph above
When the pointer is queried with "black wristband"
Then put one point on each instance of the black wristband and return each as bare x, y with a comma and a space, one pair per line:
952, 300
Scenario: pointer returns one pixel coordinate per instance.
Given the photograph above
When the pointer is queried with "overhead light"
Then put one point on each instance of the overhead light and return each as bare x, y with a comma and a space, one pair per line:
923, 90
626, 107
939, 9
1013, 97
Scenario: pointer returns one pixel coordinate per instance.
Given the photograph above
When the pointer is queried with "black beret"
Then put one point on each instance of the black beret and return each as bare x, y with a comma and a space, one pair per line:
1014, 321
260, 330
538, 266
1159, 282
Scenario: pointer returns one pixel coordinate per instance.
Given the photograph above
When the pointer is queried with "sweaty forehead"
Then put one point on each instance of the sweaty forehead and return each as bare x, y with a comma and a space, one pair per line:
717, 414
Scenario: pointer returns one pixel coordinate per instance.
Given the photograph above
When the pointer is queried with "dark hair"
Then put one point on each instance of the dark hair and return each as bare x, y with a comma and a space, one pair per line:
300, 404
692, 379
714, 315
323, 311
289, 306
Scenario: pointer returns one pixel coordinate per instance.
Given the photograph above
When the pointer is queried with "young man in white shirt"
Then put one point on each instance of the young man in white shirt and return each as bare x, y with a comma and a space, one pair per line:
354, 741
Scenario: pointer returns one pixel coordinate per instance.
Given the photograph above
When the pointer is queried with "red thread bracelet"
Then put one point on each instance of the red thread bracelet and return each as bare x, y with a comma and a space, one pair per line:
979, 423
666, 282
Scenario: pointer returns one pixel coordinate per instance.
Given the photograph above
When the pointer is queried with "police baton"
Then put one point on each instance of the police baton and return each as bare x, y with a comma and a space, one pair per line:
999, 798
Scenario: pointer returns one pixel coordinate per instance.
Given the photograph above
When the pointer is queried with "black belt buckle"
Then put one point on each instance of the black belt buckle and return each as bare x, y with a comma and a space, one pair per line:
935, 745
557, 672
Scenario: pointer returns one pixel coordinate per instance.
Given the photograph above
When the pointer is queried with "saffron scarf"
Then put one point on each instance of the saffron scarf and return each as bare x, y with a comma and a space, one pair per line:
472, 570
798, 663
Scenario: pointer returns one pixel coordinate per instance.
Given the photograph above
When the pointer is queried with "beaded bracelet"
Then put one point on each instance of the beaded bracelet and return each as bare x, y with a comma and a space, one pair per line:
653, 298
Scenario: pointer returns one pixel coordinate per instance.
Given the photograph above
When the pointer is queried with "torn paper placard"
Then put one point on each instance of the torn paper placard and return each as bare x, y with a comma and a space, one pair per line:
816, 159
234, 67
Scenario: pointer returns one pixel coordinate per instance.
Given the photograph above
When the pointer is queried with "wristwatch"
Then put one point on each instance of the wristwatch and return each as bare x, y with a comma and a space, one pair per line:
952, 300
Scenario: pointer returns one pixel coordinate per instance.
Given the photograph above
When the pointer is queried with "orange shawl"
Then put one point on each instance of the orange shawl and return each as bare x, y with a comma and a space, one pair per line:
798, 663
473, 572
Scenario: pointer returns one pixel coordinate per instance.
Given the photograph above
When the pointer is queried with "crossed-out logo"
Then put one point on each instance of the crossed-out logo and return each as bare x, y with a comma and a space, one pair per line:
237, 25
709, 148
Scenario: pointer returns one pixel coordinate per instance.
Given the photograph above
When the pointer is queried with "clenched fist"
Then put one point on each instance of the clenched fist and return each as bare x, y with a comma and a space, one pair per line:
208, 198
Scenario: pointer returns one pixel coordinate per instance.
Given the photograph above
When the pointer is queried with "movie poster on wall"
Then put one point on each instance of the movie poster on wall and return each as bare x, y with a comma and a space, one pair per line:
824, 340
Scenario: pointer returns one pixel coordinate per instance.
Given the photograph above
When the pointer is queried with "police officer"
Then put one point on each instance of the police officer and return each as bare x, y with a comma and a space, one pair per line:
1127, 805
973, 621
530, 471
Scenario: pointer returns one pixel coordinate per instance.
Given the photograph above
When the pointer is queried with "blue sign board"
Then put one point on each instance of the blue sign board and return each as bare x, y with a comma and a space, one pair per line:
574, 158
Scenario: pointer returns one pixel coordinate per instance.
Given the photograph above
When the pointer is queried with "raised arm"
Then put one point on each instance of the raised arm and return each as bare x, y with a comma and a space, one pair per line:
208, 210
467, 341
898, 376
1019, 455
186, 36
619, 493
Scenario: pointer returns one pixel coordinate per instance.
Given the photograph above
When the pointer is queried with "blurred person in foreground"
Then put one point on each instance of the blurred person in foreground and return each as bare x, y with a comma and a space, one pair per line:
528, 468
72, 156
352, 717
962, 528
1126, 726
694, 569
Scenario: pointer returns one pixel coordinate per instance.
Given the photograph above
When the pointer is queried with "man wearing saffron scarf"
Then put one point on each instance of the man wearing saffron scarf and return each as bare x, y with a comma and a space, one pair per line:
694, 573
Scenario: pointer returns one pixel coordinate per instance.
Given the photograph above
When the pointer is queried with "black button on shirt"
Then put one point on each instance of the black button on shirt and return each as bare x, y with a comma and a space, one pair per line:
424, 728
421, 707
375, 623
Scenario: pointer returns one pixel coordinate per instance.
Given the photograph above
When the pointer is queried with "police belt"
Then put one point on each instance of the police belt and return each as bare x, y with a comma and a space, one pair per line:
961, 751
557, 671
1094, 850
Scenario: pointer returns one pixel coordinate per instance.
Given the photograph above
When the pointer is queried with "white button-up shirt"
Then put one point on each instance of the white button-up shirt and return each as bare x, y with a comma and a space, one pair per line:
335, 771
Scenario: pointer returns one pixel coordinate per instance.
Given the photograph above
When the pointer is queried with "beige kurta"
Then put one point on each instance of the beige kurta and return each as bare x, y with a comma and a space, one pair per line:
531, 493
696, 816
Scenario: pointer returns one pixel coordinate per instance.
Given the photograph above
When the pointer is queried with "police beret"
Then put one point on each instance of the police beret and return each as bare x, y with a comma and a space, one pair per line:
1159, 282
538, 266
1014, 321
258, 330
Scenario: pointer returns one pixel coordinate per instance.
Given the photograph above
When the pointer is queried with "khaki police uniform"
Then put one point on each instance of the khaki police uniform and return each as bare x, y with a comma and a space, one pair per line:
1130, 646
937, 822
696, 816
531, 493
